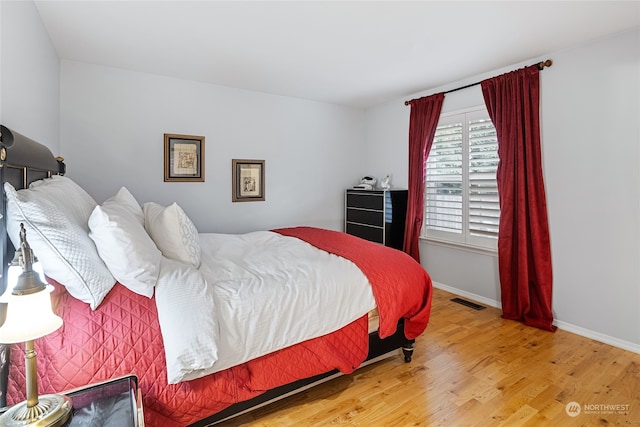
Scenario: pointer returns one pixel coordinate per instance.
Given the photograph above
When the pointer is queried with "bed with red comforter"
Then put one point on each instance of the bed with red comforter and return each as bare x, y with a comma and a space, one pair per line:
123, 336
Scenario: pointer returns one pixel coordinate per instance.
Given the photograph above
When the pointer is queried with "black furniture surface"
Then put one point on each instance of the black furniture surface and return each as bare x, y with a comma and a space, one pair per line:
376, 215
114, 403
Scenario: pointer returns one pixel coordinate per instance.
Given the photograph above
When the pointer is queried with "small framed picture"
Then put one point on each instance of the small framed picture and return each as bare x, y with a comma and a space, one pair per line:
247, 181
183, 158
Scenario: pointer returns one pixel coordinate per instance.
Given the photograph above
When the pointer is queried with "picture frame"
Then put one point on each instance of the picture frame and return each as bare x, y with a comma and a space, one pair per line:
183, 158
248, 183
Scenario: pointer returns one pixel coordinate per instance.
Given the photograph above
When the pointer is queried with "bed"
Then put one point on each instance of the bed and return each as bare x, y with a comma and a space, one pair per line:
263, 327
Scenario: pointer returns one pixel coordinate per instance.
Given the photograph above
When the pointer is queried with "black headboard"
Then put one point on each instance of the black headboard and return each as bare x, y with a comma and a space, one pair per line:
22, 161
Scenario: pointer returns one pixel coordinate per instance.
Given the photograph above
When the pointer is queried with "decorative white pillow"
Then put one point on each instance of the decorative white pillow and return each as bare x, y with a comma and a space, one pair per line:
77, 202
55, 212
173, 232
125, 246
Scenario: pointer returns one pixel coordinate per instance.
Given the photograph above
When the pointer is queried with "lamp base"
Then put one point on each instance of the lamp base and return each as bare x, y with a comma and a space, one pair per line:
52, 410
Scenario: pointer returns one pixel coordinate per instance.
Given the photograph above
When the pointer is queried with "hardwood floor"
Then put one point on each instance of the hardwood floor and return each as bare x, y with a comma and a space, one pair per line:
472, 368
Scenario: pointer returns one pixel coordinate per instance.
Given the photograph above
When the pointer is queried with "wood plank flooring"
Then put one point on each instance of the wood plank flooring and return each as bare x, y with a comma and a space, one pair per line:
473, 368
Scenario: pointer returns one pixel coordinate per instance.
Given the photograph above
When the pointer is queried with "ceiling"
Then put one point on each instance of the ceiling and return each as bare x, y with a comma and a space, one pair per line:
354, 53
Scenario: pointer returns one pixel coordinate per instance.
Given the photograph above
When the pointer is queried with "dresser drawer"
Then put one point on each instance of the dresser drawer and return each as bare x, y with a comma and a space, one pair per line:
374, 234
365, 200
365, 216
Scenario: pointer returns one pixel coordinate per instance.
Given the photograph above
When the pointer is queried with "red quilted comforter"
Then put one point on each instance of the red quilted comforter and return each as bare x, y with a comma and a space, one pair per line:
123, 336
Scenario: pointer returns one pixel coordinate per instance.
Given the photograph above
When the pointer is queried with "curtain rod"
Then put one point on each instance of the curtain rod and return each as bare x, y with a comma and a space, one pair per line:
540, 66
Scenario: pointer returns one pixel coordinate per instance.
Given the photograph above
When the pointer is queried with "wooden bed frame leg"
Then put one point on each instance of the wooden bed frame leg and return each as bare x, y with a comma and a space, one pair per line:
407, 350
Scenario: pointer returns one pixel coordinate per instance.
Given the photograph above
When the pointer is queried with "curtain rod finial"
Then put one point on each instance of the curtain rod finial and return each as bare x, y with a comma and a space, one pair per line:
407, 102
543, 64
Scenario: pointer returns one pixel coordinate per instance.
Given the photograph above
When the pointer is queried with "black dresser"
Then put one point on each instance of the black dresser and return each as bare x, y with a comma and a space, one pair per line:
376, 215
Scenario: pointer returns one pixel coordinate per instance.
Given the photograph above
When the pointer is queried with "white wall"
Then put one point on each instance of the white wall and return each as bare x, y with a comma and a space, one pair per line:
592, 152
109, 125
112, 126
590, 109
29, 75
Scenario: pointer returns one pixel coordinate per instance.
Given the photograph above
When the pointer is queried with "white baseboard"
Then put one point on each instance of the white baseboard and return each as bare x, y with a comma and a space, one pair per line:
578, 330
597, 336
468, 295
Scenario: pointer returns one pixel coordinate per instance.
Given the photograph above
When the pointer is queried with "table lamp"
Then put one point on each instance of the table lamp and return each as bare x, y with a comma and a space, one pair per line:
29, 317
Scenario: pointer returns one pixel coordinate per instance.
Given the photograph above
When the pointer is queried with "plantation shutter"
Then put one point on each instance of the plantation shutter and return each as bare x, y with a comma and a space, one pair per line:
444, 197
484, 207
461, 193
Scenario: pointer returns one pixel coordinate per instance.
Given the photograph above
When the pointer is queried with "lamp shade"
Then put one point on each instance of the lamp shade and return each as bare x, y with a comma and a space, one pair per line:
29, 317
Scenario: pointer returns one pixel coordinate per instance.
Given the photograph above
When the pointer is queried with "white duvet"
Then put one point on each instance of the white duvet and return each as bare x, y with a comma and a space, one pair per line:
253, 294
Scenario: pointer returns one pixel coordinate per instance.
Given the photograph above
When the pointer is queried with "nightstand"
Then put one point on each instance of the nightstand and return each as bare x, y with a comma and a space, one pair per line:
113, 403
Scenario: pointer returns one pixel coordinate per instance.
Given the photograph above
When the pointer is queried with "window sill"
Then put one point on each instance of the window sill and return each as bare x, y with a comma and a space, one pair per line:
460, 246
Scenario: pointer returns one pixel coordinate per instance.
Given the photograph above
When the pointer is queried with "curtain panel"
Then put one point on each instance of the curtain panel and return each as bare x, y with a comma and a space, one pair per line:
524, 249
423, 121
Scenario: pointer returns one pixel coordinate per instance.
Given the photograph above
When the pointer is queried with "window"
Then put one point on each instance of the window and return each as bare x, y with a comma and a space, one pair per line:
461, 193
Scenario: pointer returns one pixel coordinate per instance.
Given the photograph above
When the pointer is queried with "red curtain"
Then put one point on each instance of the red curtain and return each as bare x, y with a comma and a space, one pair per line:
425, 113
524, 250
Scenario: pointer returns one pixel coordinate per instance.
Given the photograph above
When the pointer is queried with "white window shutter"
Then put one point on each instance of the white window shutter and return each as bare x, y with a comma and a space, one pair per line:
484, 207
443, 186
461, 194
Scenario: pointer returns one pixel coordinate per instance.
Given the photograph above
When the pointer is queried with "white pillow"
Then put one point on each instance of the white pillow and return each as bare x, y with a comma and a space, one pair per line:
184, 299
77, 202
125, 246
55, 212
173, 232
124, 198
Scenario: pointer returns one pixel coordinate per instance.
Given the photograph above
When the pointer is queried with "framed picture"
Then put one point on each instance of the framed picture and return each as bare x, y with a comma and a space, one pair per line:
247, 181
183, 158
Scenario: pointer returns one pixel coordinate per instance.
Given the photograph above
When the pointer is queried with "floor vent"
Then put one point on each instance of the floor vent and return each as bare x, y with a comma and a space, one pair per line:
469, 303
